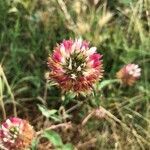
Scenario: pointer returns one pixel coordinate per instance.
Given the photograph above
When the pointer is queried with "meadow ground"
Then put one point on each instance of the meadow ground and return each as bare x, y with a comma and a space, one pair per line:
29, 31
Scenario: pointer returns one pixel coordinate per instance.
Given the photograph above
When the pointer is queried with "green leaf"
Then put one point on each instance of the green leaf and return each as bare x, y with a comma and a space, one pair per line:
56, 118
67, 146
34, 143
126, 1
47, 113
54, 138
106, 83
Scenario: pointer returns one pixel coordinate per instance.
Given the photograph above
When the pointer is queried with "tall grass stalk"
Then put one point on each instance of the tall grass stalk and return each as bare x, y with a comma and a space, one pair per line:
9, 91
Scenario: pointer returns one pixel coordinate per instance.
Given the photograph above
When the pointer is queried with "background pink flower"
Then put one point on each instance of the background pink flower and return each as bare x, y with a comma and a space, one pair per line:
129, 74
16, 133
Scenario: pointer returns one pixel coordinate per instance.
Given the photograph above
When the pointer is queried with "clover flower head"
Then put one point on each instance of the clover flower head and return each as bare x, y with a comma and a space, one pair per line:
16, 133
75, 66
129, 74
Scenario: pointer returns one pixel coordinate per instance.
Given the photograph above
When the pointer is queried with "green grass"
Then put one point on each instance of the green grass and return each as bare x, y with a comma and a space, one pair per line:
28, 32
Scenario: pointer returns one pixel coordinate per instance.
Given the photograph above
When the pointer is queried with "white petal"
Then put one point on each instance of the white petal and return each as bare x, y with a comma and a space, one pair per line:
70, 64
8, 135
78, 43
12, 141
136, 66
91, 51
85, 73
62, 50
90, 63
4, 129
9, 123
137, 75
83, 49
131, 72
5, 139
88, 72
15, 136
138, 70
79, 68
73, 76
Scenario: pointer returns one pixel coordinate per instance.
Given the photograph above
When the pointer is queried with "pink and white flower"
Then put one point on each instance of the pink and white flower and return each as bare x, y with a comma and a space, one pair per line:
75, 66
12, 131
129, 74
133, 70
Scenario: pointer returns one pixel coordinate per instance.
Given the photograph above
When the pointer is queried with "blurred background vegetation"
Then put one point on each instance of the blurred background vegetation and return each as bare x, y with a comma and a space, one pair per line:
29, 29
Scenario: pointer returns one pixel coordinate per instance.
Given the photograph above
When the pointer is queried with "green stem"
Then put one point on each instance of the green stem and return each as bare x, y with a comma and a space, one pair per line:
1, 99
9, 91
